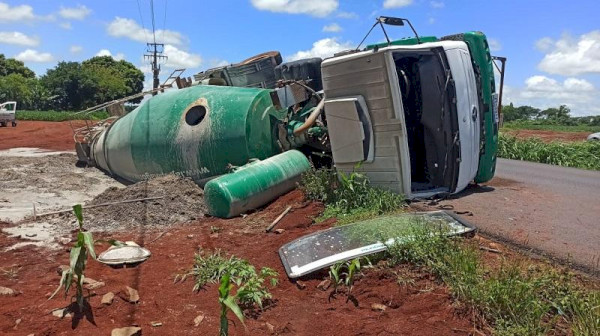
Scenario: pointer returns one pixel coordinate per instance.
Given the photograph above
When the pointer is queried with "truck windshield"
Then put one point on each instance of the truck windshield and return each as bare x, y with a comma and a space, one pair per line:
428, 99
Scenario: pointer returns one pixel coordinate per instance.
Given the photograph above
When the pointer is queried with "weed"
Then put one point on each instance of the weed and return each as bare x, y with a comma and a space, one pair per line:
215, 229
514, 299
59, 115
11, 272
348, 197
585, 155
212, 267
541, 125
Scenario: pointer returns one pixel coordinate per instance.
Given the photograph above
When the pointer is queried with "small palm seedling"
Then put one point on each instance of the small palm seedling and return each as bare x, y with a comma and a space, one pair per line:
228, 302
77, 260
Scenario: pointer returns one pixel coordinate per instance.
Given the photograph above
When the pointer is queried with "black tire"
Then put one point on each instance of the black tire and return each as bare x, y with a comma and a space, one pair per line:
2, 124
14, 124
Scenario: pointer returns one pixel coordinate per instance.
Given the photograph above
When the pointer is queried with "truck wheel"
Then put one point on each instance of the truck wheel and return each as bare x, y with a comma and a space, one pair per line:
2, 124
14, 124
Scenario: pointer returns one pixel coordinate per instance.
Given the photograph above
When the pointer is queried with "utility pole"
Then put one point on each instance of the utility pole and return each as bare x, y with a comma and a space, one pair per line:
155, 55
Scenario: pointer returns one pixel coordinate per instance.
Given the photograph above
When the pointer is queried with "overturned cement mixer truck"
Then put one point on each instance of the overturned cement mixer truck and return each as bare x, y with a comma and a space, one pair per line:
419, 114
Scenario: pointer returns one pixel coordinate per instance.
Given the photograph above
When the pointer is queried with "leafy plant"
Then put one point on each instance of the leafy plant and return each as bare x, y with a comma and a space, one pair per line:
344, 273
228, 302
77, 260
348, 197
252, 287
513, 299
585, 155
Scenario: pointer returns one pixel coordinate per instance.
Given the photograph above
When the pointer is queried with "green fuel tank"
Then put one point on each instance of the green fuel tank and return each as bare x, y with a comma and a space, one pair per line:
198, 132
254, 184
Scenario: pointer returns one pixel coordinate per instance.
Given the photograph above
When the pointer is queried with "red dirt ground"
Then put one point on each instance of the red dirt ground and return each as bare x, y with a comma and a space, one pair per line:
423, 308
548, 136
39, 134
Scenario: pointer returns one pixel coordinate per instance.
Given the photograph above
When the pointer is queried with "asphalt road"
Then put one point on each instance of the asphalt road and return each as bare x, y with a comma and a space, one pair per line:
549, 209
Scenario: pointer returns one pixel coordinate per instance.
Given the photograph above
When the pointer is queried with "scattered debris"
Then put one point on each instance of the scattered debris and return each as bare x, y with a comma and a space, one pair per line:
156, 324
126, 331
198, 320
95, 285
17, 322
279, 231
378, 307
131, 295
490, 249
108, 298
130, 253
278, 219
8, 291
324, 285
270, 327
324, 248
301, 285
61, 312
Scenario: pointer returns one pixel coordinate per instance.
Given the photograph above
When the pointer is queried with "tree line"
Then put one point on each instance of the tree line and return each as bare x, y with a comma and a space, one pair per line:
553, 116
71, 86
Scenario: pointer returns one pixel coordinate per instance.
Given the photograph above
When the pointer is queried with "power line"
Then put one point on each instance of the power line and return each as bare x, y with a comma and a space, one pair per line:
164, 22
153, 25
142, 19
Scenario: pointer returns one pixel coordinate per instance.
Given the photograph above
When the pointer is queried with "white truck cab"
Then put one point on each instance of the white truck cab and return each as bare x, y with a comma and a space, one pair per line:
7, 113
406, 116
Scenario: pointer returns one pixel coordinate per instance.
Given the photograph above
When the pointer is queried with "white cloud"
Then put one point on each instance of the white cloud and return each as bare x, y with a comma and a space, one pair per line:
181, 59
65, 25
569, 56
16, 13
332, 28
18, 38
347, 15
75, 13
431, 20
322, 48
106, 52
128, 28
75, 49
396, 3
544, 44
544, 92
318, 8
437, 4
34, 56
494, 44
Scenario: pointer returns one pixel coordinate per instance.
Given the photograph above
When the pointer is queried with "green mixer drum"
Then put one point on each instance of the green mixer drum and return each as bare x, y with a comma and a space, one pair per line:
254, 184
197, 132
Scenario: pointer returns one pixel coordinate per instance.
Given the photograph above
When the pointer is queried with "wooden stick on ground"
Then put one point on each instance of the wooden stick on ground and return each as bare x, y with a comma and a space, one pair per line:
102, 204
270, 227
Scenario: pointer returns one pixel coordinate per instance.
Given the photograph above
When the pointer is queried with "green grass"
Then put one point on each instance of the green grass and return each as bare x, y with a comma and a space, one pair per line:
585, 155
59, 115
512, 299
348, 197
537, 125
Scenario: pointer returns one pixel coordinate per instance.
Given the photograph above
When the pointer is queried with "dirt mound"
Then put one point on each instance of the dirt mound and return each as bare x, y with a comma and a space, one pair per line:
179, 200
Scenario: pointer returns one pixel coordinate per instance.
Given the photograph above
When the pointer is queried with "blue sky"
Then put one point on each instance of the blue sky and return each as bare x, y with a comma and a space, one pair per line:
553, 47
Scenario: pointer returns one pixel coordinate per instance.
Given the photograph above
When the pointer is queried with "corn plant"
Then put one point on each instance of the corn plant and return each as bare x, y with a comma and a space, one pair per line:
344, 273
77, 260
228, 302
